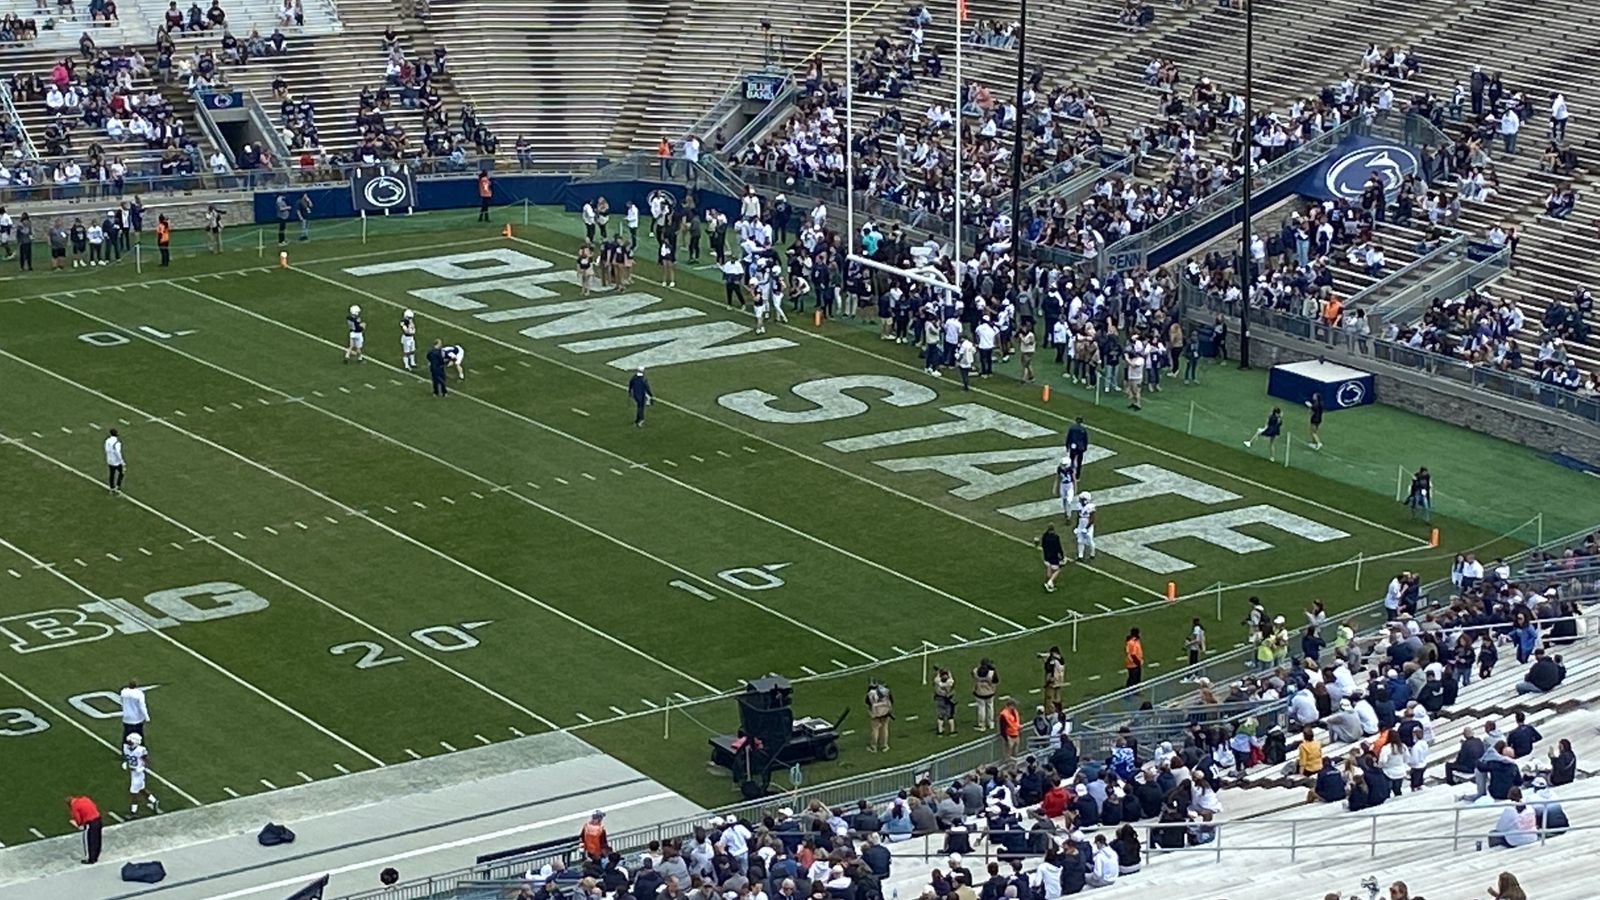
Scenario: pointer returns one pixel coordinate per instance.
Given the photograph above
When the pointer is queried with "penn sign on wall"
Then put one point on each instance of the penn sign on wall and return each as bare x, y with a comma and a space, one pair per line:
382, 191
1343, 173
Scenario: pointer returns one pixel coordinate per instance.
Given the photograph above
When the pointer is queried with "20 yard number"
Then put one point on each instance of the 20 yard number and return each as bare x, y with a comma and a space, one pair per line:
442, 638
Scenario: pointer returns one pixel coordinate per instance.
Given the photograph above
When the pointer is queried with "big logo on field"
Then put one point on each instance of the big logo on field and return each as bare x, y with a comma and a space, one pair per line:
382, 191
1348, 174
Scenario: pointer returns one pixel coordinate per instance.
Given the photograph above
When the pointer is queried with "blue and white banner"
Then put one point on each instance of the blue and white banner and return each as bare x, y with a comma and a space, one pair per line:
222, 99
1344, 172
762, 87
378, 190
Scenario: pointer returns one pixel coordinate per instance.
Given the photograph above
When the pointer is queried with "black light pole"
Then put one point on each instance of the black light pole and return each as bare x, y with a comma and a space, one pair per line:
1016, 155
1249, 146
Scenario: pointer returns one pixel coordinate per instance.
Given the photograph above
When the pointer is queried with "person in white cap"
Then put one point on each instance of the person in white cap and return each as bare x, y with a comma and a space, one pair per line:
639, 390
408, 340
1085, 529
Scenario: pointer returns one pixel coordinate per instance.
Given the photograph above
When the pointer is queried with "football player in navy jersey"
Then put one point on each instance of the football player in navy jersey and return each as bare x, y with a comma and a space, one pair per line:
408, 341
357, 336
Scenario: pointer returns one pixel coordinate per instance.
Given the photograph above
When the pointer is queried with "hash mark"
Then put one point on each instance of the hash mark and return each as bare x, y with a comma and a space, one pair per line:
343, 389
649, 703
113, 557
476, 494
370, 386
1095, 677
724, 454
81, 563
988, 631
66, 430
418, 504
230, 403
146, 552
682, 696
14, 573
483, 740
176, 545
448, 500
208, 409
392, 510
619, 711
958, 638
499, 368
616, 471
839, 664
523, 363
318, 394
230, 792
125, 421
269, 785
269, 529
584, 717
517, 731
587, 475
181, 413
1130, 601
448, 746
580, 412
235, 534
301, 526
748, 449
331, 520
531, 484
808, 670
37, 434
561, 480
341, 768
413, 754
37, 833
670, 463
1047, 620
265, 402
397, 382
306, 778
698, 459
1103, 608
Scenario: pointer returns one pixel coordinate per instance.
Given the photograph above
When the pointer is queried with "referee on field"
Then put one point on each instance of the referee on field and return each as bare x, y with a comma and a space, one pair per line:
114, 463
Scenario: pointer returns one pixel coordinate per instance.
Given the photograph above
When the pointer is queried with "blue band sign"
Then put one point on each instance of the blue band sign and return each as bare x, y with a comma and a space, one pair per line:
222, 99
1344, 173
763, 87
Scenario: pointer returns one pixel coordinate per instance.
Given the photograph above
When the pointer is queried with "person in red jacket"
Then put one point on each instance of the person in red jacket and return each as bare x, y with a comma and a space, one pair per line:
1054, 802
85, 817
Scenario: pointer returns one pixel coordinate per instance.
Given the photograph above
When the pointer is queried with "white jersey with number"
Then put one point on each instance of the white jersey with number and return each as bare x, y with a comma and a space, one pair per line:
1067, 482
133, 759
454, 356
1086, 518
408, 336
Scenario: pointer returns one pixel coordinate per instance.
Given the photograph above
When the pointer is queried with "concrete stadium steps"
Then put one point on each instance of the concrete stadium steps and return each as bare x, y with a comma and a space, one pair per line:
63, 38
331, 69
147, 15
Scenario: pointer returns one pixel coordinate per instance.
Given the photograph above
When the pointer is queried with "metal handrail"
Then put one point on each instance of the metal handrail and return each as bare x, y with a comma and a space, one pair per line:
761, 121
28, 147
1447, 248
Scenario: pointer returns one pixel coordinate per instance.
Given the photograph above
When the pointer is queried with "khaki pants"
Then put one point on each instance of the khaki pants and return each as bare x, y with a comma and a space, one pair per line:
1052, 697
985, 713
880, 733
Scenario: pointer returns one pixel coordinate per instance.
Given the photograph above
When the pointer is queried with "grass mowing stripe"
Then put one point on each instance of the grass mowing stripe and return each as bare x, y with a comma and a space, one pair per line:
206, 660
706, 301
352, 511
716, 585
699, 491
45, 704
352, 617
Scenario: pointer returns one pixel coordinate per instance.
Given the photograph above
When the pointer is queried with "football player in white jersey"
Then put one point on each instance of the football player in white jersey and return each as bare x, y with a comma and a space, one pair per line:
136, 760
1085, 529
455, 356
408, 341
357, 336
1067, 484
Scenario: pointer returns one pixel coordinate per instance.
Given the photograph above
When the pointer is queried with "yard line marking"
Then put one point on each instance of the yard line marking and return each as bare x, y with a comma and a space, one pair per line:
749, 449
306, 778
448, 746
269, 529
146, 552
482, 739
73, 722
36, 832
342, 769
315, 598
478, 495
587, 475
413, 754
619, 711
331, 520
418, 504
113, 557
601, 533
269, 785
584, 718
616, 471
808, 670
580, 412
670, 463
202, 658
560, 480
448, 500
988, 631
649, 703
301, 526
698, 459
1103, 608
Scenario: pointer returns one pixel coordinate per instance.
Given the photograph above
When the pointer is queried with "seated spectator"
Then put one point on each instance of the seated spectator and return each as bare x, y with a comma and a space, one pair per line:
1563, 764
1518, 825
1103, 864
215, 17
1506, 887
1544, 675
1523, 736
1330, 786
1309, 759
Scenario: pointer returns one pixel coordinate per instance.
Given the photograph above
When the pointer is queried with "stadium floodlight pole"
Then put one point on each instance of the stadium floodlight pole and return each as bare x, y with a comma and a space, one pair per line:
1249, 147
849, 129
1016, 155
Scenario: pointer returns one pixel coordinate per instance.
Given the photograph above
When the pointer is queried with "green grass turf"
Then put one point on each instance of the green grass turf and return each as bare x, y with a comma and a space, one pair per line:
442, 574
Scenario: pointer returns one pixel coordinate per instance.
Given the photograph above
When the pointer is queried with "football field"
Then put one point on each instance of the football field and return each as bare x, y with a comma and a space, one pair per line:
319, 568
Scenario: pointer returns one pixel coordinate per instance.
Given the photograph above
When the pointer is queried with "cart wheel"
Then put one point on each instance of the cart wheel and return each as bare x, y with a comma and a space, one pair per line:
830, 751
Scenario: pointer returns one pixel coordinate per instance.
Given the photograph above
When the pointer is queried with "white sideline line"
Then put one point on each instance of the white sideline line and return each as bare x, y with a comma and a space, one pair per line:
349, 616
47, 705
349, 510
382, 436
202, 658
488, 837
749, 436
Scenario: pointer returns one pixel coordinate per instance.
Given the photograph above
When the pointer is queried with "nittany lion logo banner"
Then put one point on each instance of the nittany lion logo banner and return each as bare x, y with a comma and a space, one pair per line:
382, 191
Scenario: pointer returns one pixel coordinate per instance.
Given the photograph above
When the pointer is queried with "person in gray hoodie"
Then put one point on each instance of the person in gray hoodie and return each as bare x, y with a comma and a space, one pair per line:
1344, 726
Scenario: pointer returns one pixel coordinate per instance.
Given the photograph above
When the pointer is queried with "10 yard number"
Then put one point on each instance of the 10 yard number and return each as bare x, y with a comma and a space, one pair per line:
443, 638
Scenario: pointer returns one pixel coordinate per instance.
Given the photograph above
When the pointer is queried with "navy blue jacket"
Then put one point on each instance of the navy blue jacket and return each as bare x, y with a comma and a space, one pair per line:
639, 388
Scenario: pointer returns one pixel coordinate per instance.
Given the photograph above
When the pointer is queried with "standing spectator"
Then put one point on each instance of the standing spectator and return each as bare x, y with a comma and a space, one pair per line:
985, 681
436, 373
1558, 116
1010, 725
1510, 124
135, 712
880, 709
944, 701
1055, 668
1420, 499
639, 390
1077, 444
593, 836
1054, 556
1133, 657
85, 817
1523, 736
485, 191
1195, 643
